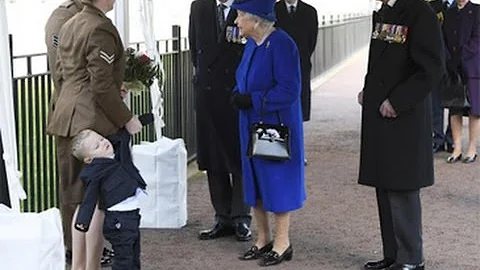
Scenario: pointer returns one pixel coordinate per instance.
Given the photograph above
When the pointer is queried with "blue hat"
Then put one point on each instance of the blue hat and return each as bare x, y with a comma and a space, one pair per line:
262, 8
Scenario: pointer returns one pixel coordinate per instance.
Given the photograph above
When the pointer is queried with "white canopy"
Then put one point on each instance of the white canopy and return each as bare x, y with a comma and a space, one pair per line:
7, 117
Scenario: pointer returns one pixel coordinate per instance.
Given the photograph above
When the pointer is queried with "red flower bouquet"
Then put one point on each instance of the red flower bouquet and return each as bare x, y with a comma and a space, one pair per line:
140, 71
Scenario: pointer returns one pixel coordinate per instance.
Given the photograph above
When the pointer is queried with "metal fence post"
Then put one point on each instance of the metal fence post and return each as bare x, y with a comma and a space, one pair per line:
177, 79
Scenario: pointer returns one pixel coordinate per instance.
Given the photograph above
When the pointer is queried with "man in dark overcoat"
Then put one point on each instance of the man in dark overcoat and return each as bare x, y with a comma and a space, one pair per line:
406, 62
300, 21
216, 50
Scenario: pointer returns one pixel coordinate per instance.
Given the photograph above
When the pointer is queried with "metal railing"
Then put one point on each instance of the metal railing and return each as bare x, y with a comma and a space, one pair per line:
32, 92
338, 38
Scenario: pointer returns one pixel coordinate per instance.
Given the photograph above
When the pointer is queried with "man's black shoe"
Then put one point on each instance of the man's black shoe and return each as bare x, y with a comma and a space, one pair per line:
242, 232
383, 264
397, 266
219, 230
438, 148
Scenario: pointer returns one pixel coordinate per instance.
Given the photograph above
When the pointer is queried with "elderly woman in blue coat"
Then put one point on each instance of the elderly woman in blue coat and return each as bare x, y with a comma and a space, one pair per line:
268, 80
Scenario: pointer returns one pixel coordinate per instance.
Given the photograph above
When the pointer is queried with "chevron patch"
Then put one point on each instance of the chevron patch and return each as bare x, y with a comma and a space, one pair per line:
55, 41
108, 58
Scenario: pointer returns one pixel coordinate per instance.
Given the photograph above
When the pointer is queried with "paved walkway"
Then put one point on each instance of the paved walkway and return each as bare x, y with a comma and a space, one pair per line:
338, 227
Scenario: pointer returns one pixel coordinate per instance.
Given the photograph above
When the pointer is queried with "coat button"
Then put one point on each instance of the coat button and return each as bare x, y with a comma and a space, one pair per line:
208, 88
199, 51
454, 48
209, 70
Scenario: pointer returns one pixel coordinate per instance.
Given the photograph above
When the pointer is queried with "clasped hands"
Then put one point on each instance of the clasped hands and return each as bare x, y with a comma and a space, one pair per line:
386, 109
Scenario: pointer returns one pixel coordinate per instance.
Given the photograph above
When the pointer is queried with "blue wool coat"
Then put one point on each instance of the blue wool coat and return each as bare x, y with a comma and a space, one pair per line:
272, 70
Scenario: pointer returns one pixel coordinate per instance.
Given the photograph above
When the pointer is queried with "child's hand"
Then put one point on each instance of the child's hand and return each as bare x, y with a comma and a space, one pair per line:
123, 91
133, 126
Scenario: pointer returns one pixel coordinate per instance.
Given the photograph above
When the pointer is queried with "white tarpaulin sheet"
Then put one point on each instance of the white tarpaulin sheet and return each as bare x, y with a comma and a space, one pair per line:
162, 165
31, 240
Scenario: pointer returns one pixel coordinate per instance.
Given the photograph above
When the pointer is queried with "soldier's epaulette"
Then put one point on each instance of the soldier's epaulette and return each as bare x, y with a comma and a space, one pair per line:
67, 4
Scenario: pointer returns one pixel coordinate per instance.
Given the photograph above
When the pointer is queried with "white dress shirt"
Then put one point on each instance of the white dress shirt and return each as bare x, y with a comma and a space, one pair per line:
289, 5
227, 3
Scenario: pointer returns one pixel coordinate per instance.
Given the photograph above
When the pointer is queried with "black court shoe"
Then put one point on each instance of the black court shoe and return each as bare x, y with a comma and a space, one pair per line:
453, 159
273, 258
254, 252
470, 159
383, 264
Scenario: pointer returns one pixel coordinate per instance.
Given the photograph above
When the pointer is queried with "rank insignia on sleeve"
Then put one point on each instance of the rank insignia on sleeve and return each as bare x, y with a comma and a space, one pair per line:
55, 41
391, 33
108, 58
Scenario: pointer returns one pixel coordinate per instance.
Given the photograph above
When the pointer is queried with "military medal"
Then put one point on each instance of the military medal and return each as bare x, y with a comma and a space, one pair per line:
232, 34
391, 33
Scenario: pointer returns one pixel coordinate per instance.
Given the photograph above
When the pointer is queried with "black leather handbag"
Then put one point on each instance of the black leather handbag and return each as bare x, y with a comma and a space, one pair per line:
269, 141
455, 93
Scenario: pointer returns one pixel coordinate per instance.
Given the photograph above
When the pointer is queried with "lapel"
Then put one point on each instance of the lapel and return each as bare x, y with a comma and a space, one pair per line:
212, 9
222, 44
298, 11
282, 10
247, 61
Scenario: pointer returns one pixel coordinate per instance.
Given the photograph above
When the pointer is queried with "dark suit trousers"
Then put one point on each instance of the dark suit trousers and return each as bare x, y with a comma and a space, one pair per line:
121, 229
401, 225
226, 193
4, 195
306, 94
440, 136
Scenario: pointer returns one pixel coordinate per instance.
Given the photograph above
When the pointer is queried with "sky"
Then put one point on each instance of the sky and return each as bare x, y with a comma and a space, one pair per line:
28, 34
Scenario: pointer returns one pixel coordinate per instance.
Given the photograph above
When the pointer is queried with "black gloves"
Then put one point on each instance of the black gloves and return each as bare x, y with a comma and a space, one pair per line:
146, 119
241, 101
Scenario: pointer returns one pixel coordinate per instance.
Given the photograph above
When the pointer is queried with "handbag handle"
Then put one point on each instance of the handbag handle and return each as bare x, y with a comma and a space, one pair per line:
262, 112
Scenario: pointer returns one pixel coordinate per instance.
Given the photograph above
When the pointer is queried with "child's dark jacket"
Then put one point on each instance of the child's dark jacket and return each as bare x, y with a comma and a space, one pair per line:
109, 181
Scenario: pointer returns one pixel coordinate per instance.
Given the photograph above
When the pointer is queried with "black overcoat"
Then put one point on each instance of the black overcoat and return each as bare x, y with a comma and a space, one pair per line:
215, 60
303, 28
396, 153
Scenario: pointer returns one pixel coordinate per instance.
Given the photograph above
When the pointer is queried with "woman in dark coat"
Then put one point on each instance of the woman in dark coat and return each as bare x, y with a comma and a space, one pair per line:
462, 39
269, 74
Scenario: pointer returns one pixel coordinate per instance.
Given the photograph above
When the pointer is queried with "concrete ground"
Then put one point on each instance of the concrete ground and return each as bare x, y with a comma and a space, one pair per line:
338, 228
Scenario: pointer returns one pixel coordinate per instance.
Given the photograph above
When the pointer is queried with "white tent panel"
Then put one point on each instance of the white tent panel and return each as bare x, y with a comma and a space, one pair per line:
7, 118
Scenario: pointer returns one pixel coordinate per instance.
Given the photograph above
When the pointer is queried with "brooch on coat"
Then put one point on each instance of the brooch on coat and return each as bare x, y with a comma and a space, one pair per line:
232, 34
391, 33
